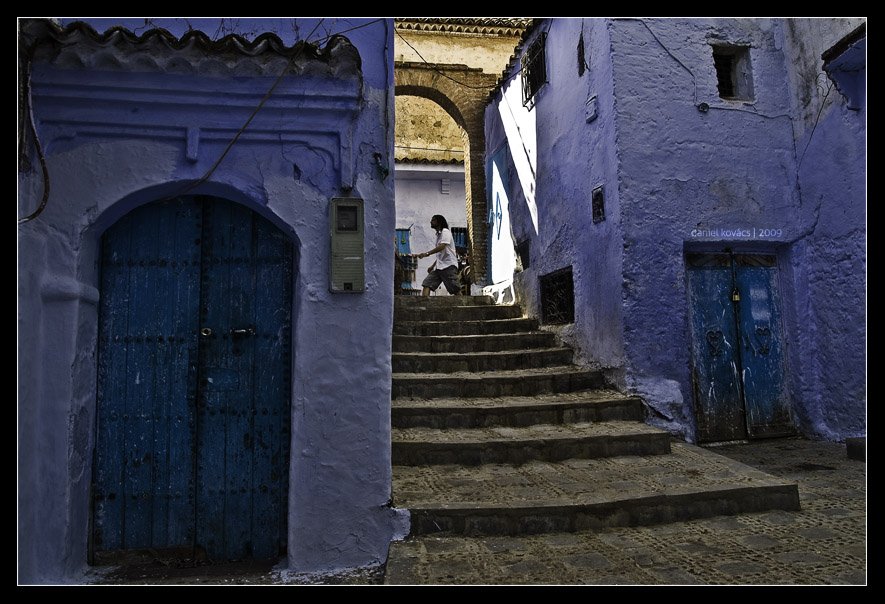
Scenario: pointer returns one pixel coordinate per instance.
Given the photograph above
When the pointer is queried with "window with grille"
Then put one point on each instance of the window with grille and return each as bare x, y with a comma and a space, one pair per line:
558, 297
733, 77
598, 203
534, 68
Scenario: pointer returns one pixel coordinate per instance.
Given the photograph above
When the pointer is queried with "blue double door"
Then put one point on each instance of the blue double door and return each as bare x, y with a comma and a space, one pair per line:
193, 417
738, 354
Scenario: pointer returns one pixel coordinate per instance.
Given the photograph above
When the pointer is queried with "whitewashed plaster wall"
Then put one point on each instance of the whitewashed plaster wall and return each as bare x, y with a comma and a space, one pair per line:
488, 52
692, 160
423, 190
119, 142
557, 155
828, 262
645, 122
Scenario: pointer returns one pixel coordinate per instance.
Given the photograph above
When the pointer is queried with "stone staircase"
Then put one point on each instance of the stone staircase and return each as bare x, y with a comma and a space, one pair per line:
495, 431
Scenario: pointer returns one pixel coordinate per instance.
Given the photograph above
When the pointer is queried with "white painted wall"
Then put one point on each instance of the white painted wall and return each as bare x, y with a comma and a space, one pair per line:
423, 190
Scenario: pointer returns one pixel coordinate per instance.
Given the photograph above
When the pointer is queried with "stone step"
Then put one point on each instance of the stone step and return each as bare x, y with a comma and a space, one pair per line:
412, 301
584, 406
430, 362
526, 382
473, 343
518, 445
463, 328
584, 494
435, 312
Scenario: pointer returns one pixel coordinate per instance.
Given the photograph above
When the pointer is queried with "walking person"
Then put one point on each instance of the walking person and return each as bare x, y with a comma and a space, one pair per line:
445, 269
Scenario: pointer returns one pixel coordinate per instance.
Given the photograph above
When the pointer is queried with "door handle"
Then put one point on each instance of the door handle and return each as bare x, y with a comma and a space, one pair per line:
242, 333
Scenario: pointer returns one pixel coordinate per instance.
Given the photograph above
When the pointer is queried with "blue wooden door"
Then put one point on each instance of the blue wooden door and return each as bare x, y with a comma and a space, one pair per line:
715, 363
738, 369
193, 385
761, 347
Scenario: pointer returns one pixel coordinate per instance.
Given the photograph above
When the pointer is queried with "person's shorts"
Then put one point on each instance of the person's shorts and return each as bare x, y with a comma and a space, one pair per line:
447, 276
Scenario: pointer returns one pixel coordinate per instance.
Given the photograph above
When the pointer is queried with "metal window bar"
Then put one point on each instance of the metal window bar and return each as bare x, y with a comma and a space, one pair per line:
558, 297
534, 68
598, 205
724, 73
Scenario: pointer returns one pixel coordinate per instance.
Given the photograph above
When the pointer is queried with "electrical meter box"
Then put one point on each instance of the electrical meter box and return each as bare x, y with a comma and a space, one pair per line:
347, 272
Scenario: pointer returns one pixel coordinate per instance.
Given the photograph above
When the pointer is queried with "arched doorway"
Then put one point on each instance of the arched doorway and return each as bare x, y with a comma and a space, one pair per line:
192, 439
429, 152
462, 94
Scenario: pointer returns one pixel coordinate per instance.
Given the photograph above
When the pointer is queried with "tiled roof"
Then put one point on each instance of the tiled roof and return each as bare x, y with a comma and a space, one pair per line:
509, 26
79, 45
436, 162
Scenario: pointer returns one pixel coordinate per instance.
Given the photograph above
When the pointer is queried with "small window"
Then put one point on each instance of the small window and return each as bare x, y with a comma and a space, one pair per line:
598, 202
558, 297
534, 68
522, 253
733, 77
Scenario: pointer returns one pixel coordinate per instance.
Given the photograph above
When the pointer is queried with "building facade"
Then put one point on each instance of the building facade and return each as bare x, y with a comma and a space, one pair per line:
444, 70
204, 309
687, 207
206, 290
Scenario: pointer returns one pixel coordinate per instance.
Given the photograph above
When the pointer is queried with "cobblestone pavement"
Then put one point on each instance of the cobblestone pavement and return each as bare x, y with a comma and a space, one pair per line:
823, 544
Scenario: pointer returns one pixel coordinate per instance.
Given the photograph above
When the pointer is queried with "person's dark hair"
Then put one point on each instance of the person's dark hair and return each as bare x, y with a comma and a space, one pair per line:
441, 221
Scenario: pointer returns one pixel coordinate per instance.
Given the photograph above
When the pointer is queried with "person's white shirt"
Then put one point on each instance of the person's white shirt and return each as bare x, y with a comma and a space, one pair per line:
447, 256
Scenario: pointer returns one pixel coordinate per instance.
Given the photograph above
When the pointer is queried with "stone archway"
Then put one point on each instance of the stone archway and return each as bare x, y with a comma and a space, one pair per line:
463, 93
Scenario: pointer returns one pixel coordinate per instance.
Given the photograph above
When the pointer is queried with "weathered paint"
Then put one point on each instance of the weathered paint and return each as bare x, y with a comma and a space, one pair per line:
116, 136
828, 263
762, 349
685, 170
738, 356
556, 159
143, 493
716, 379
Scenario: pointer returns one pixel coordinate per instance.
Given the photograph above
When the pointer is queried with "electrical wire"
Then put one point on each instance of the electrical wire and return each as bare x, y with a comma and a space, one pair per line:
32, 128
291, 62
242, 129
816, 121
429, 149
208, 174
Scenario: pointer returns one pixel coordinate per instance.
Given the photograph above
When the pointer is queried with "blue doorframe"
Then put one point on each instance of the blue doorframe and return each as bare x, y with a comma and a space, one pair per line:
194, 380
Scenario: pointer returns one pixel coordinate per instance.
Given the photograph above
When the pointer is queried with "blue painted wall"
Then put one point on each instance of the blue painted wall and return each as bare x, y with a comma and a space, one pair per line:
828, 261
556, 159
683, 169
121, 127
